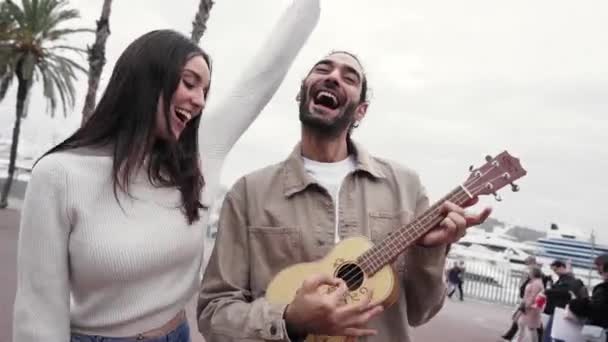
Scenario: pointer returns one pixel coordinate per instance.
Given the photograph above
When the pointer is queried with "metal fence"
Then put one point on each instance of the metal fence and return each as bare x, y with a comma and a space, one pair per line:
491, 283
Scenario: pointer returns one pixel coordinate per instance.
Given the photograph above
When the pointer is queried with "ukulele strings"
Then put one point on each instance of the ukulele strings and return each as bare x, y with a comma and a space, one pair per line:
351, 278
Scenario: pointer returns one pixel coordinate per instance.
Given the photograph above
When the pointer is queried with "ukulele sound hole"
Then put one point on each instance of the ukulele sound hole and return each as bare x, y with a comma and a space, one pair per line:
352, 275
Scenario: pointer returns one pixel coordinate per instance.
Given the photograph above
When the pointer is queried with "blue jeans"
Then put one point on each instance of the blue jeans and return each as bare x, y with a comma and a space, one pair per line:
180, 334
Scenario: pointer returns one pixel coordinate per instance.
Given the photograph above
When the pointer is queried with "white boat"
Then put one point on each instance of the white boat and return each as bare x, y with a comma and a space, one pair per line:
497, 246
570, 244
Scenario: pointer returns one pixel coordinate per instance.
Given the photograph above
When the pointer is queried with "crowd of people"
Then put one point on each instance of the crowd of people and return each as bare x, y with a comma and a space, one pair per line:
541, 294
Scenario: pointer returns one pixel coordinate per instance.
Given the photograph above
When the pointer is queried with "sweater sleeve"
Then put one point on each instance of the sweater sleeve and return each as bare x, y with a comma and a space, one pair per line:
227, 119
42, 302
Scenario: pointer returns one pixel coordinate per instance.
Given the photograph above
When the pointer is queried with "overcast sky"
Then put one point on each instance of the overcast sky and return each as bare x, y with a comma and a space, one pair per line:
451, 82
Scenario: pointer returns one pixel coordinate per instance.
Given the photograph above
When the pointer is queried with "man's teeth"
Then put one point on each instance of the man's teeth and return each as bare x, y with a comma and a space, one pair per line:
328, 94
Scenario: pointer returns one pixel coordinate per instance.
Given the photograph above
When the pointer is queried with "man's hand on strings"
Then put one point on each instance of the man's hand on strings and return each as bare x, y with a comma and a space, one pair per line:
454, 225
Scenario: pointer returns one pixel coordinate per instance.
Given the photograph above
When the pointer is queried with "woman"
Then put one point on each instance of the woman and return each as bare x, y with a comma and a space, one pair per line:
111, 235
529, 318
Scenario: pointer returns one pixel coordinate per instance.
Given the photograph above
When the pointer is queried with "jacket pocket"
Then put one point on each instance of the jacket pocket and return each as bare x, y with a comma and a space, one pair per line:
270, 250
383, 224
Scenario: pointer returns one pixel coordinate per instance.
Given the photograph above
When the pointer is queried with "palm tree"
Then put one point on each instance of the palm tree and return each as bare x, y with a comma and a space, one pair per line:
199, 25
32, 50
97, 59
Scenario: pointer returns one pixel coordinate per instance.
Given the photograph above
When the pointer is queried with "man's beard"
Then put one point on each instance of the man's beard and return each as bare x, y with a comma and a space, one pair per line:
320, 125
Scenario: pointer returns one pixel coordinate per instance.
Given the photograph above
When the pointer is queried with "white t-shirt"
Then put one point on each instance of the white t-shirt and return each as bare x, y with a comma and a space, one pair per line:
330, 176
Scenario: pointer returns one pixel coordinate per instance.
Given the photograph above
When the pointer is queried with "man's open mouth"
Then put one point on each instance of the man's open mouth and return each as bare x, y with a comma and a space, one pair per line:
327, 98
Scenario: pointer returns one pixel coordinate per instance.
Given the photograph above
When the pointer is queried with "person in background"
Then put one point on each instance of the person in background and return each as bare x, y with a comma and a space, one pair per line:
530, 263
594, 310
559, 295
529, 320
455, 279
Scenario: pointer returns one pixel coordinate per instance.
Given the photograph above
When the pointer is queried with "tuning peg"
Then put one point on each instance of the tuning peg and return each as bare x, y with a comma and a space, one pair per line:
497, 197
514, 187
488, 158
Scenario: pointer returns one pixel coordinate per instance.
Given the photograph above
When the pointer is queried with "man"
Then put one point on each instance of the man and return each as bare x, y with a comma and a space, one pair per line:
594, 310
565, 288
295, 211
530, 263
455, 279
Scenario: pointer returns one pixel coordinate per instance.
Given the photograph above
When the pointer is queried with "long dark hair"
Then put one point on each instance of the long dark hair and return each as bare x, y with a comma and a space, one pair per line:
125, 119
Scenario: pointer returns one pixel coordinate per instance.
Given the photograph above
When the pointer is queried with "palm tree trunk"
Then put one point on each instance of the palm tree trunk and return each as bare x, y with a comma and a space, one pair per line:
97, 59
199, 25
22, 90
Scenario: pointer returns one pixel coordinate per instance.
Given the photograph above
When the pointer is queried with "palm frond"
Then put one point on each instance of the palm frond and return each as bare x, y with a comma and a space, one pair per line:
67, 47
61, 33
54, 82
7, 62
29, 12
15, 13
39, 24
7, 23
48, 90
68, 63
56, 19
60, 72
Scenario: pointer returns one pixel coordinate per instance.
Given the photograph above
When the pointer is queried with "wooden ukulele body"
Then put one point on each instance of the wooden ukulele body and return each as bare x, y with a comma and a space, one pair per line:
339, 262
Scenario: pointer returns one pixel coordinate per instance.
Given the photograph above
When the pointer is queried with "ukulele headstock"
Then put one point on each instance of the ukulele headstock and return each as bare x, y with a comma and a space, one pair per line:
495, 174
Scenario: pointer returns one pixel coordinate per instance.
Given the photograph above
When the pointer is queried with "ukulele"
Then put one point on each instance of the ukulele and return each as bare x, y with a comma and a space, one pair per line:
367, 267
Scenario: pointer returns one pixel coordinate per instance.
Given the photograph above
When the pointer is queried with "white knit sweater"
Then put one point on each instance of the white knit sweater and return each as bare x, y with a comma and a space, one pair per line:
87, 265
